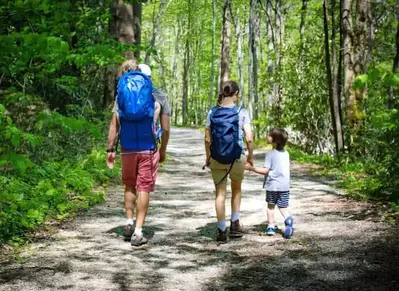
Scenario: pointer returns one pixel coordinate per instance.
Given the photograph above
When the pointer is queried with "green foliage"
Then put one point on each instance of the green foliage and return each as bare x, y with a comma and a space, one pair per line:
48, 172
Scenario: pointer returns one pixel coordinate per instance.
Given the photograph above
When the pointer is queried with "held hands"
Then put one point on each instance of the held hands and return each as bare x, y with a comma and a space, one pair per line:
111, 160
249, 167
250, 164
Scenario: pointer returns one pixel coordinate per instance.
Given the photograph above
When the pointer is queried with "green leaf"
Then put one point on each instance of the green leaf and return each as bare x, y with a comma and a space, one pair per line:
16, 140
361, 82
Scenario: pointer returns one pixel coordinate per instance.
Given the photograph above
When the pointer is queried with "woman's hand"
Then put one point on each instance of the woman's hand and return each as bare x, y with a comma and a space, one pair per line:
250, 160
249, 167
207, 163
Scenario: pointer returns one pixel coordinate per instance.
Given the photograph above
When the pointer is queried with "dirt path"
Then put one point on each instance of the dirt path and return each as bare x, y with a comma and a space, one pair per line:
337, 245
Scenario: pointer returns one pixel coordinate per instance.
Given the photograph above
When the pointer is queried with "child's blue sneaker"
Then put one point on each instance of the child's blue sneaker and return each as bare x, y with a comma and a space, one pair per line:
289, 229
271, 230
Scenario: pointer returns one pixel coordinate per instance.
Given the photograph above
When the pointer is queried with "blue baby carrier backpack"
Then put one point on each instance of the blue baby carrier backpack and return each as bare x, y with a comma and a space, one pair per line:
225, 147
136, 112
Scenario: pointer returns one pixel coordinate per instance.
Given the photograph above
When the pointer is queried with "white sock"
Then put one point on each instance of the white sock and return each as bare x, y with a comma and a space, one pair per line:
138, 231
129, 221
222, 225
235, 216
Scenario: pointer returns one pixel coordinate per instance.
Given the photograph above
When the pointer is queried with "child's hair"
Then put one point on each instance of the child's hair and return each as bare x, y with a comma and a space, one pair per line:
279, 137
229, 88
129, 65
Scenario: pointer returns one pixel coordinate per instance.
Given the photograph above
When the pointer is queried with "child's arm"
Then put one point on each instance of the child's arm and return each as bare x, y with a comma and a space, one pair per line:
261, 171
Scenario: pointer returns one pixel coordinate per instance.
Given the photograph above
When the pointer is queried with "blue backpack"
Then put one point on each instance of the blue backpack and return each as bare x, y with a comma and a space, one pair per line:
225, 147
136, 112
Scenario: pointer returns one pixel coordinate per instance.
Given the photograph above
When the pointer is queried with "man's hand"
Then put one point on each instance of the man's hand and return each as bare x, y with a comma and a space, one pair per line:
162, 155
111, 160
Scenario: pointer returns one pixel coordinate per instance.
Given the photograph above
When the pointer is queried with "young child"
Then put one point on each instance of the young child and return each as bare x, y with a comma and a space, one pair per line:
277, 181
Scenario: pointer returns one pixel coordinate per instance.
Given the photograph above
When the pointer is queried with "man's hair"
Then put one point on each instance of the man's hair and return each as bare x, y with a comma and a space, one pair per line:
279, 137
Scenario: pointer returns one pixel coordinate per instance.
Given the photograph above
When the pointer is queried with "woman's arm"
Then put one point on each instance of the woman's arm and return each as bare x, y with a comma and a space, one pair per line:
249, 140
207, 145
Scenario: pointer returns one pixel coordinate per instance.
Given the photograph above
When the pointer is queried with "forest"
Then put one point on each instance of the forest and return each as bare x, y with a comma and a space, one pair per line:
326, 70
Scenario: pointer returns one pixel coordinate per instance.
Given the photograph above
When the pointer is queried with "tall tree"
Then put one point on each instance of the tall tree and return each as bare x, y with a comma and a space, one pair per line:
254, 37
332, 82
271, 51
392, 102
280, 31
137, 11
357, 44
212, 86
121, 28
155, 27
225, 44
186, 65
300, 65
239, 32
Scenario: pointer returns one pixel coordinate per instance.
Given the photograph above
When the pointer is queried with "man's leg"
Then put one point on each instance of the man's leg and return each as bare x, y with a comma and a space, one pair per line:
147, 172
129, 177
130, 201
143, 201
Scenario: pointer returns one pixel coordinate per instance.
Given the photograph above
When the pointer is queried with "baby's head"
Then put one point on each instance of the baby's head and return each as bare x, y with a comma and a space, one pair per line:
278, 137
127, 66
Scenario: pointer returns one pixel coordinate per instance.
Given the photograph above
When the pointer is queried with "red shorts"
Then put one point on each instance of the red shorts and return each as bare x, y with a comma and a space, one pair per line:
139, 170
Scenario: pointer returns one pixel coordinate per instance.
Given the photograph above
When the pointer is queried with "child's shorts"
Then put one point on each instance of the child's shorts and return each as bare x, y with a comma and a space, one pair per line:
219, 170
279, 198
139, 170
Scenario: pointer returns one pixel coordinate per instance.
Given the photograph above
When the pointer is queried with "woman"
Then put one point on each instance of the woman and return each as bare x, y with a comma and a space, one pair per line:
227, 105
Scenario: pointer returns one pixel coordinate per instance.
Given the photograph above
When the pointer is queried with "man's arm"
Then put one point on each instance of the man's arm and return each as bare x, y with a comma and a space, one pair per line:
249, 140
165, 126
112, 136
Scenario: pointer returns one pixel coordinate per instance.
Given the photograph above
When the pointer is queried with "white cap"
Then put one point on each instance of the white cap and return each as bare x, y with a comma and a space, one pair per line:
145, 69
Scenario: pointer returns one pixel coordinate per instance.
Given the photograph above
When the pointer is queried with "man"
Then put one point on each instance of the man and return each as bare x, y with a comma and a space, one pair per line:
139, 168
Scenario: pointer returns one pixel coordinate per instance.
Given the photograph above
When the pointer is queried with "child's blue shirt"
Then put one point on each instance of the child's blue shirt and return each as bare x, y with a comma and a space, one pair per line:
278, 178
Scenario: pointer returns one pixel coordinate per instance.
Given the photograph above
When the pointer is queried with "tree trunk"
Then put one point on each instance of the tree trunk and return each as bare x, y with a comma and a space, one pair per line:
253, 58
240, 56
279, 38
255, 55
271, 51
392, 102
137, 11
212, 86
336, 96
121, 28
251, 97
225, 45
331, 82
357, 44
155, 28
186, 66
349, 74
300, 64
